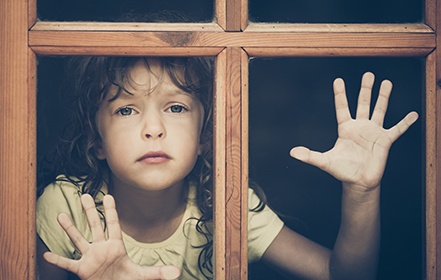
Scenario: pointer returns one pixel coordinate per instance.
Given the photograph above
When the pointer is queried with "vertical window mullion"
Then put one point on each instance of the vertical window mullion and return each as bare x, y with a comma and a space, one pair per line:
232, 15
17, 142
231, 182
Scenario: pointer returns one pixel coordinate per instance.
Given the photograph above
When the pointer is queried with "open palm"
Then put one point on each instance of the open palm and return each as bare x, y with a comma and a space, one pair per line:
360, 153
106, 257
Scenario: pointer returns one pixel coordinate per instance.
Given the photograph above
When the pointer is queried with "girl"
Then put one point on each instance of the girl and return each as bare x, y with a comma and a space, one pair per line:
142, 138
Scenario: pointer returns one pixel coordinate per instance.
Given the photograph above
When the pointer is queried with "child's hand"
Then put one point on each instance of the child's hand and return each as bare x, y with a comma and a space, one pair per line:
360, 152
104, 258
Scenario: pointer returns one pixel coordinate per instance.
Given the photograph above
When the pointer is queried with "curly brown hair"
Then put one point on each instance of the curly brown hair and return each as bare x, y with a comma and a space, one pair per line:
75, 156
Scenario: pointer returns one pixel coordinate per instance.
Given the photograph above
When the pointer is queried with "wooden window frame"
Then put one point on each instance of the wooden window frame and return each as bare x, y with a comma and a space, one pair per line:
231, 39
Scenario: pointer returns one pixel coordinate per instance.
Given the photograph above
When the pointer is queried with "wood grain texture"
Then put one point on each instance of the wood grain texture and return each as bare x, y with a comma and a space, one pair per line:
431, 12
220, 165
128, 51
350, 51
232, 15
231, 179
437, 203
244, 183
251, 27
124, 26
431, 168
221, 13
244, 16
17, 143
41, 39
224, 39
340, 27
433, 165
233, 150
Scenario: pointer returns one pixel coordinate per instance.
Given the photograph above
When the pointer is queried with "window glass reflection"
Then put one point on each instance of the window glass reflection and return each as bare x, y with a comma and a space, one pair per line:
336, 11
291, 104
127, 10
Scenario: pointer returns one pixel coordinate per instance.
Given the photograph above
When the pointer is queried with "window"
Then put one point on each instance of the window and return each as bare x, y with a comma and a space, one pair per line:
233, 40
292, 104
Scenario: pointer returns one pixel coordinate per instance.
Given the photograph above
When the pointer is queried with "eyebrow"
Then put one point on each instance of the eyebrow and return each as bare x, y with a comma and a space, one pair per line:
170, 90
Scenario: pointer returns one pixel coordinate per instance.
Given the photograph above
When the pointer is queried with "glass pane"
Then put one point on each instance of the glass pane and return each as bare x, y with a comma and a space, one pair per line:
128, 10
156, 114
336, 11
291, 104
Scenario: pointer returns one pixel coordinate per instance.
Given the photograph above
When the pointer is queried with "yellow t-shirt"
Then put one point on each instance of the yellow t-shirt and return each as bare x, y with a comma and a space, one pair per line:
180, 249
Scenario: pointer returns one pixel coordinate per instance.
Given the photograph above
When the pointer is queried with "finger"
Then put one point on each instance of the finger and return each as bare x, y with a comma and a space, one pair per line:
364, 97
382, 103
341, 102
73, 233
311, 157
92, 217
112, 220
61, 262
160, 272
396, 131
169, 272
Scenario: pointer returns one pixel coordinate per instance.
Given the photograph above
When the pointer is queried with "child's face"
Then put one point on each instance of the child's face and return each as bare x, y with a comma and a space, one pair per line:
150, 139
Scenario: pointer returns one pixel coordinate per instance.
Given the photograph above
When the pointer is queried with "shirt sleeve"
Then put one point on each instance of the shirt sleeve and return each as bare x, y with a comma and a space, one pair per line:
60, 197
263, 227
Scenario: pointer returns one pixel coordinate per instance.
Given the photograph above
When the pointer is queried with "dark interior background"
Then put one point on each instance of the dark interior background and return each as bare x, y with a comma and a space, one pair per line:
293, 11
291, 103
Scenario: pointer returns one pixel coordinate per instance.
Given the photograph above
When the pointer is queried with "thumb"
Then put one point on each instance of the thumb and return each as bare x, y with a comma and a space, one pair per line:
311, 157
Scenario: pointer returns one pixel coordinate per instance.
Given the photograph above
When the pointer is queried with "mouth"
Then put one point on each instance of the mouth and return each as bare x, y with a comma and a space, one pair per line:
154, 157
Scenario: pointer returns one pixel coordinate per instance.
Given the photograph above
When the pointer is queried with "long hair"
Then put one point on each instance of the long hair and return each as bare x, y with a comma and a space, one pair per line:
75, 156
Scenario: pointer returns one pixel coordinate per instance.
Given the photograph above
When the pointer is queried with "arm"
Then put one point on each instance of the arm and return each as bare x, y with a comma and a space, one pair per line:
355, 251
358, 159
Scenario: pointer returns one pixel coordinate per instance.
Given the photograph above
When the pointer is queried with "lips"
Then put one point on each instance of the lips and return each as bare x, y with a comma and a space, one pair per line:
154, 157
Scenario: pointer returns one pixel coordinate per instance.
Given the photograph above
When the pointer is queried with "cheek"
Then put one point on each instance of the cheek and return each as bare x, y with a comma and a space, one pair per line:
114, 145
189, 143
191, 157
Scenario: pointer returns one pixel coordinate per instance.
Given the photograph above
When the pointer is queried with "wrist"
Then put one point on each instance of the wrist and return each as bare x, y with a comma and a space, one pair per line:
359, 193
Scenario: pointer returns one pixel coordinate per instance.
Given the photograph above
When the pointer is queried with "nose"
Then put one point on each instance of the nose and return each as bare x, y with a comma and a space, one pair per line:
153, 127
153, 135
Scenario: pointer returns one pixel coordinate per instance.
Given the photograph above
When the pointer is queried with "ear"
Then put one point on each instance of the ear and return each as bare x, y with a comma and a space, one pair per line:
200, 148
99, 151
